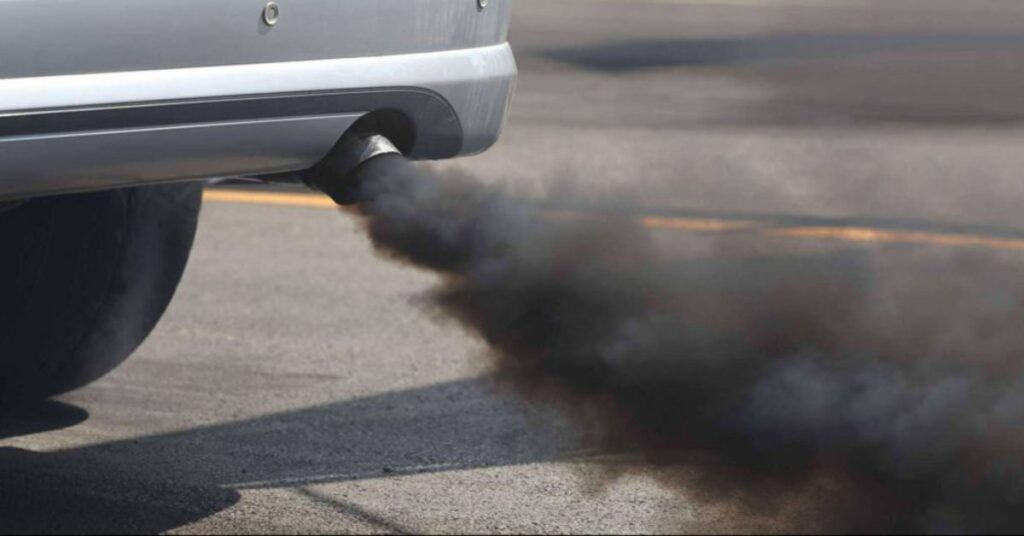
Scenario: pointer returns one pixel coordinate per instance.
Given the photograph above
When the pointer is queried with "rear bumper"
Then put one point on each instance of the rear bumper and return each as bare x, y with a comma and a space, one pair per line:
101, 130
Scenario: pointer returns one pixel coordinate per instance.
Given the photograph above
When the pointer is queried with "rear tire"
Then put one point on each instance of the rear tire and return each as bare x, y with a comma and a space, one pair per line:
84, 279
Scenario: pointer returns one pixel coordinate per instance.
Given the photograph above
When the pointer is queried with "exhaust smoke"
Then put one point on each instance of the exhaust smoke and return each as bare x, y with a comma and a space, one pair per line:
831, 389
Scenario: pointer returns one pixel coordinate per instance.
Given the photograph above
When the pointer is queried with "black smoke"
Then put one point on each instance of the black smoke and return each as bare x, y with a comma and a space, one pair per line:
831, 389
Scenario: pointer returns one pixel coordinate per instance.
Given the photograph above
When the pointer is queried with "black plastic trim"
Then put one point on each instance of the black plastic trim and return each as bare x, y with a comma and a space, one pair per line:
432, 116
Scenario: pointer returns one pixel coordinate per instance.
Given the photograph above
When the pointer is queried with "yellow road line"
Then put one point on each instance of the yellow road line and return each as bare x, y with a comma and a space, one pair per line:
269, 198
703, 225
894, 236
700, 225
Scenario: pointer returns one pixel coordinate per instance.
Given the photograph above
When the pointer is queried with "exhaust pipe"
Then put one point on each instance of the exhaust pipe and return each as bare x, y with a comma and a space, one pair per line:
336, 175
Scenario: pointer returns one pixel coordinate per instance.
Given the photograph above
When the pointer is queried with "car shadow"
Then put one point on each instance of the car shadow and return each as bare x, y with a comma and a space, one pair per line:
158, 483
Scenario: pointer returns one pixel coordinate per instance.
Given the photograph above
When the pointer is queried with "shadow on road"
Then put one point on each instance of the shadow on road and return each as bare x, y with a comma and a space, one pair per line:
717, 51
40, 417
851, 78
157, 483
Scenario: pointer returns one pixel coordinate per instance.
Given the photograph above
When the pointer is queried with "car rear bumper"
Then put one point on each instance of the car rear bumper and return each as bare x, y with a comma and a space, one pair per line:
90, 131
93, 130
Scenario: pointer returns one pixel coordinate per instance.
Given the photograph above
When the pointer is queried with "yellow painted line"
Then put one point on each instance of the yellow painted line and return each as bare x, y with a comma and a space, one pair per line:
696, 225
702, 225
867, 234
269, 198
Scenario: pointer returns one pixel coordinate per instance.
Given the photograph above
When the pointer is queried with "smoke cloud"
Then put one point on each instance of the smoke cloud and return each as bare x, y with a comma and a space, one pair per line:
831, 388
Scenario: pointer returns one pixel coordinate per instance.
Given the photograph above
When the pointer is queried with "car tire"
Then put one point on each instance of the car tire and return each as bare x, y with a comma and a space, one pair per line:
84, 279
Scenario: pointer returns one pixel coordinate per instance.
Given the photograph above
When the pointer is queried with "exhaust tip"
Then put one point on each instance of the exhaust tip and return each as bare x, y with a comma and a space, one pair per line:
336, 174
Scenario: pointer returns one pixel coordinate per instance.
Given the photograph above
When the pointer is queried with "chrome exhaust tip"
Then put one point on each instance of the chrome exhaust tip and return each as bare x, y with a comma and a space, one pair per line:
335, 175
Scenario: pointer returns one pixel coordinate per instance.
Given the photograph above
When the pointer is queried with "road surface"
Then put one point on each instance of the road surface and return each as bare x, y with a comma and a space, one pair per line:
297, 384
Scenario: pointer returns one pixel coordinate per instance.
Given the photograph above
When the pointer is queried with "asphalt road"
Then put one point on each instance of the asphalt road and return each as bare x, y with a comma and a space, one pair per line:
297, 385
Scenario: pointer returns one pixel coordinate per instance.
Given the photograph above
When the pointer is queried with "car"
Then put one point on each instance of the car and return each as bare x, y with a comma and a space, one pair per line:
112, 112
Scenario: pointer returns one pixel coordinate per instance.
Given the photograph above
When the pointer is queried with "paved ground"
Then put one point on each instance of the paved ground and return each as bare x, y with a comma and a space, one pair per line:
296, 385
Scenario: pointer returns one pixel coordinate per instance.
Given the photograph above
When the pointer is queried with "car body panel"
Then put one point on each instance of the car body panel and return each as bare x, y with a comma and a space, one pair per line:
60, 37
76, 122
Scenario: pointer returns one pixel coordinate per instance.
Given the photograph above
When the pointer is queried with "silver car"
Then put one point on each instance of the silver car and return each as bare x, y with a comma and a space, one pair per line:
109, 107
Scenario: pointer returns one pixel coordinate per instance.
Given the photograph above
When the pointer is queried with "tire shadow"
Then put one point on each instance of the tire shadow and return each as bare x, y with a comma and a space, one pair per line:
57, 492
45, 416
157, 483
